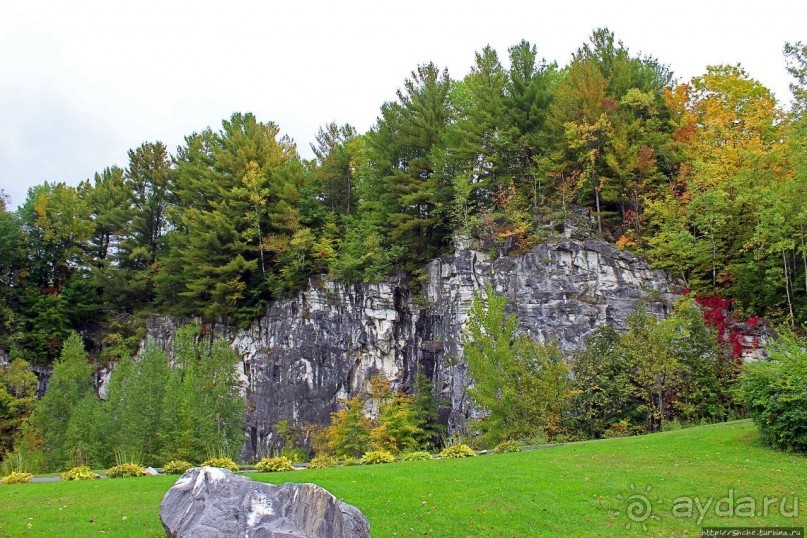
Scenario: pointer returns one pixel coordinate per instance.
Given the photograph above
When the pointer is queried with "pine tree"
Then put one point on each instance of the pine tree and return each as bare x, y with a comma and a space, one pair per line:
70, 383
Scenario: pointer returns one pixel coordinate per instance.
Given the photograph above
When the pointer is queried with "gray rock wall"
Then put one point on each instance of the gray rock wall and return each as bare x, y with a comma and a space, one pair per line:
326, 343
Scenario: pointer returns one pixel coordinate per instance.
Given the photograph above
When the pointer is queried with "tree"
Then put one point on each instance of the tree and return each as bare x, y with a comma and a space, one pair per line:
236, 193
348, 434
404, 144
521, 386
656, 368
333, 175
426, 411
58, 227
723, 217
14, 273
395, 427
136, 402
473, 147
203, 411
775, 395
18, 386
527, 100
604, 391
70, 383
148, 179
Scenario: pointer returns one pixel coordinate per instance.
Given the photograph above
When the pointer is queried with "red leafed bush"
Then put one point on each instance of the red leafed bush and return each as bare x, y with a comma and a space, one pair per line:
716, 312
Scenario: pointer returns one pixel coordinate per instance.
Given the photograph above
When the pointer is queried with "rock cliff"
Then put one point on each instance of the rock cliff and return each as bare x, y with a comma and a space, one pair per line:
325, 343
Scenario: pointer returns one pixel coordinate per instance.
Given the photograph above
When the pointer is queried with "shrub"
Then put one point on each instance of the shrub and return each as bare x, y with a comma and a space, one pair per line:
457, 451
126, 470
348, 435
274, 465
774, 391
296, 455
349, 462
507, 446
176, 467
377, 456
419, 455
323, 462
82, 472
17, 478
622, 428
222, 463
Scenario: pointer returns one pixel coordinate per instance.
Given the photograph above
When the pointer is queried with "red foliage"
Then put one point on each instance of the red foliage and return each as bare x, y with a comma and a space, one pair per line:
717, 313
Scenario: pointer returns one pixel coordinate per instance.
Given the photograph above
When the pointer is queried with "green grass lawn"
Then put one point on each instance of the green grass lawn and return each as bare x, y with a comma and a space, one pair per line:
580, 489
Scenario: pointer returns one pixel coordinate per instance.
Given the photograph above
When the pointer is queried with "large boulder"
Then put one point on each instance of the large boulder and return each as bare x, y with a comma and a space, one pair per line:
212, 502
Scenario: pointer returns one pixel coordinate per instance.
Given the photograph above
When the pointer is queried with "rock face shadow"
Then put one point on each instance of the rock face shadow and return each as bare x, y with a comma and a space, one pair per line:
211, 502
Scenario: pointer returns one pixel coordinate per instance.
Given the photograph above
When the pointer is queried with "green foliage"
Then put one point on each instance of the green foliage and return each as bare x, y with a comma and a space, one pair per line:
377, 456
236, 193
425, 411
221, 463
81, 472
176, 467
457, 451
623, 428
658, 371
207, 412
603, 390
18, 386
322, 462
775, 391
87, 438
507, 446
417, 455
522, 386
17, 478
274, 465
137, 399
288, 435
126, 470
71, 389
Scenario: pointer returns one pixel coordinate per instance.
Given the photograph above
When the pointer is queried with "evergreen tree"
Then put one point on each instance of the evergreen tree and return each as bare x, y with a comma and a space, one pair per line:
203, 410
404, 145
236, 192
136, 403
70, 383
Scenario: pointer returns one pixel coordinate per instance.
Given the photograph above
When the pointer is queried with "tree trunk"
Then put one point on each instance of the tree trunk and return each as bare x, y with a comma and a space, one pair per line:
787, 289
599, 219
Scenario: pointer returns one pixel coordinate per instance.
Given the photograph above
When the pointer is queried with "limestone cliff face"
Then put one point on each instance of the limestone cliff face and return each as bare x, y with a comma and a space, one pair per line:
326, 343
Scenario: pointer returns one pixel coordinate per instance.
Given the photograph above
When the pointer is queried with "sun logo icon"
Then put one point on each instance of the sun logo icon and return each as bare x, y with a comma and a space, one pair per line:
638, 507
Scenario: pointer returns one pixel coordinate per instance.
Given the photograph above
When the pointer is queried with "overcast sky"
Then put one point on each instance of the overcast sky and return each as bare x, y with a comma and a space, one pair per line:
81, 82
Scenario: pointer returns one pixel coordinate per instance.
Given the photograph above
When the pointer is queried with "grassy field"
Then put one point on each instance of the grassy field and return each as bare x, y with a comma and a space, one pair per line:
583, 489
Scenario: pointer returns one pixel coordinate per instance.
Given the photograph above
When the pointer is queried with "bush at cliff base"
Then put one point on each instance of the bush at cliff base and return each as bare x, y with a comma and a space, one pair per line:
775, 392
222, 463
274, 465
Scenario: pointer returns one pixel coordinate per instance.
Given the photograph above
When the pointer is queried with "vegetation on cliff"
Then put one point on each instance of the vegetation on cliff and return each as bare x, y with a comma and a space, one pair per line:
705, 177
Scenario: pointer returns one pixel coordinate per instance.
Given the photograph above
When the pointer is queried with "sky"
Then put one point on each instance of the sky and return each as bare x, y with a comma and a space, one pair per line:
82, 82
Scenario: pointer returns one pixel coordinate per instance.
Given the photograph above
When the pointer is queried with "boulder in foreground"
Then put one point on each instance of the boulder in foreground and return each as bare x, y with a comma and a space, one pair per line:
212, 502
